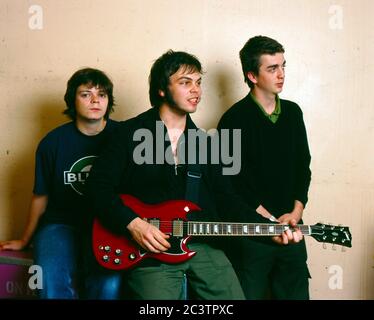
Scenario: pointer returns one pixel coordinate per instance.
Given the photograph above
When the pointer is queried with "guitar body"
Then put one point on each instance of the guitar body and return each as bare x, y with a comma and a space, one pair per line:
117, 252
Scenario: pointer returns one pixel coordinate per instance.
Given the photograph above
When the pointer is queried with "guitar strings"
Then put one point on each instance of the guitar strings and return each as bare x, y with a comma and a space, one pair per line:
186, 223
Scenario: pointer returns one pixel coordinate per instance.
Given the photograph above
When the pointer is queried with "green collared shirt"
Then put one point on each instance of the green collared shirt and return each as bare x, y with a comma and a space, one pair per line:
273, 117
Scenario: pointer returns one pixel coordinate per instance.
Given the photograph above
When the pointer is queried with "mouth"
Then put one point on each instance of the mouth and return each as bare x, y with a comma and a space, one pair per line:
194, 100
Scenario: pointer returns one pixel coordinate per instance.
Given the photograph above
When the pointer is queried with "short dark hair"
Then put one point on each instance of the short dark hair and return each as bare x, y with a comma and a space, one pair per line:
87, 76
252, 51
164, 67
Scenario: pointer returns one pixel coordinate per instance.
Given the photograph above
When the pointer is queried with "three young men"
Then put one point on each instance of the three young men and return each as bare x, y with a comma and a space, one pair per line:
175, 91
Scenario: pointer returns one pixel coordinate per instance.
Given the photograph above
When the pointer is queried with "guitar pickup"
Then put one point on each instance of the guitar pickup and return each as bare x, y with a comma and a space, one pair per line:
178, 228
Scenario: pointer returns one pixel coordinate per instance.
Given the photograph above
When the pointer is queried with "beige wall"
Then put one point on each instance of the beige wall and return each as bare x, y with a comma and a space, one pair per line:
329, 47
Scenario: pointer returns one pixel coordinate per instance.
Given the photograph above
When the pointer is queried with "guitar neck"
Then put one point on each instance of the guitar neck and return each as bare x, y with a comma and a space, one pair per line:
239, 229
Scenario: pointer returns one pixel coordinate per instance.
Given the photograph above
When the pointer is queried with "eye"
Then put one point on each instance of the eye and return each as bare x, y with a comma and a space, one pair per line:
103, 95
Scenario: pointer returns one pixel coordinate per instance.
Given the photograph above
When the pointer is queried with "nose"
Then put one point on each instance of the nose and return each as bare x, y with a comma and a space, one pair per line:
281, 73
195, 87
94, 98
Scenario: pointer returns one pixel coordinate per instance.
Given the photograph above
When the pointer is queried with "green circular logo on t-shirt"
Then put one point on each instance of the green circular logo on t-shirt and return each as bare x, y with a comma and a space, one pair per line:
78, 173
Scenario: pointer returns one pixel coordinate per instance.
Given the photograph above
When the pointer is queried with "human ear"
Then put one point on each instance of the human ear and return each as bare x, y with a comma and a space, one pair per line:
251, 76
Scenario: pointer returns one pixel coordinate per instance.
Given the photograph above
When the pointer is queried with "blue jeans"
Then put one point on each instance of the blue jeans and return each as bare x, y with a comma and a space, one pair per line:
61, 251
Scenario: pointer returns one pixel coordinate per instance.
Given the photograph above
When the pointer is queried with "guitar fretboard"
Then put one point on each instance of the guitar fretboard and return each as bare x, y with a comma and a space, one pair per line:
239, 229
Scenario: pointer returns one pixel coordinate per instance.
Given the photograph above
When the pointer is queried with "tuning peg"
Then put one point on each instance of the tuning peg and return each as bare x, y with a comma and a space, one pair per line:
334, 247
344, 249
324, 246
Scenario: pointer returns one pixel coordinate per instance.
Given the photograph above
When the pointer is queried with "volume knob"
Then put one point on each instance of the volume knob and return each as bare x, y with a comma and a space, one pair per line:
132, 256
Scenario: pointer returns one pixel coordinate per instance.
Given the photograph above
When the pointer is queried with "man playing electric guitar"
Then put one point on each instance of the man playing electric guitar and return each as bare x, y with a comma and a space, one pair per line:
149, 158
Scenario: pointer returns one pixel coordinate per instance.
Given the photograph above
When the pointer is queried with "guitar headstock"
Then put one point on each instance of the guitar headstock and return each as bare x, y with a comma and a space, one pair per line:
332, 234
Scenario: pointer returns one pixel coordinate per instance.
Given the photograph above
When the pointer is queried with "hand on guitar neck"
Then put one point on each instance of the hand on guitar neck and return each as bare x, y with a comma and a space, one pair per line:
288, 236
292, 219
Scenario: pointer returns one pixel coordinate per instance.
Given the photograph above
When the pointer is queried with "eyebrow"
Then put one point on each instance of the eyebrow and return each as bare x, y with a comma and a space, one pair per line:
187, 78
85, 90
275, 65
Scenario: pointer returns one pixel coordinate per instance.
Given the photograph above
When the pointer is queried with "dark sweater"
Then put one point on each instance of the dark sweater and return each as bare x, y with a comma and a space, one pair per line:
275, 156
115, 172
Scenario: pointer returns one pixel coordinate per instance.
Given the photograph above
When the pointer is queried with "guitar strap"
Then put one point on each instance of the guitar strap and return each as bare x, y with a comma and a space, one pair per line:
193, 178
193, 182
192, 194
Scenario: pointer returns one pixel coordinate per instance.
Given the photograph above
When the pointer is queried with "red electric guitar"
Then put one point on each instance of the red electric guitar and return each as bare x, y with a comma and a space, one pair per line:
117, 252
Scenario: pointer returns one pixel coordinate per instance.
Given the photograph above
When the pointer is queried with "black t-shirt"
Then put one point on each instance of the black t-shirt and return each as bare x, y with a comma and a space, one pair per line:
63, 160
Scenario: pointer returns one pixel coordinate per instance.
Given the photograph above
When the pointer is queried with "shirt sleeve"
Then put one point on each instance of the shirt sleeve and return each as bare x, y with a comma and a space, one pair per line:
303, 176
